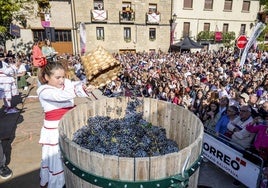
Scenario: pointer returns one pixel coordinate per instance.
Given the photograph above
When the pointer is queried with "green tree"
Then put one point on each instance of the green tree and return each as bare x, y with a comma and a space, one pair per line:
264, 34
205, 35
14, 11
7, 8
228, 38
264, 3
43, 6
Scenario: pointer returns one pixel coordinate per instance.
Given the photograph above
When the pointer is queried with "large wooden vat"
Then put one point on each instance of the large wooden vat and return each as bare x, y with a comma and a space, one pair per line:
90, 169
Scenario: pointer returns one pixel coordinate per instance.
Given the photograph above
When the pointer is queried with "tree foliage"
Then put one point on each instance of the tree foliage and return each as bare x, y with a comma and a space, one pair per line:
264, 3
228, 38
261, 38
210, 36
7, 8
43, 6
205, 35
14, 11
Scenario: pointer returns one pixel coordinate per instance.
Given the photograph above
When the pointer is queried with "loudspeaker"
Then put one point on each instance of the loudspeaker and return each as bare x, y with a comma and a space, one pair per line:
50, 33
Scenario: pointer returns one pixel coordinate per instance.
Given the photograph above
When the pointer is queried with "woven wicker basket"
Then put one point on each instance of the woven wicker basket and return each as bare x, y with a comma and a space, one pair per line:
100, 67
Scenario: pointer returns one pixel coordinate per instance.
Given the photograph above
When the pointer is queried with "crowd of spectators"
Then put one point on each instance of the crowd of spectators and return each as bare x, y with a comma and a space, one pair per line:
226, 97
230, 100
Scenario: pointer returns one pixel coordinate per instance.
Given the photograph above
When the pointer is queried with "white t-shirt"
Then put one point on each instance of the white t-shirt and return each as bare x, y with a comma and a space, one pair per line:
21, 68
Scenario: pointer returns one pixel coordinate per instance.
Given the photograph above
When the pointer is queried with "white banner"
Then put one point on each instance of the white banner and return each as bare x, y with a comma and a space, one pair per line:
257, 31
231, 161
153, 18
99, 15
83, 38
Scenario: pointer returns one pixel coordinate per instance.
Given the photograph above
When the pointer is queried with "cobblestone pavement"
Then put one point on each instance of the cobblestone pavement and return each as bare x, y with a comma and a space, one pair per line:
21, 133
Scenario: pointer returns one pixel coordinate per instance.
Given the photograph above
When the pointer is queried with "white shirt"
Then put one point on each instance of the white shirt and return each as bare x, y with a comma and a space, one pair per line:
22, 68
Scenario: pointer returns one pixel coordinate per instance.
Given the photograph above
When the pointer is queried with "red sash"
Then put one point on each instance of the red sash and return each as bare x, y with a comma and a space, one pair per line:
56, 114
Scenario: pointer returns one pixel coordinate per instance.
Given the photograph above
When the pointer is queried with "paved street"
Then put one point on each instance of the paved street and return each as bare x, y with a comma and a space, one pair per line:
21, 131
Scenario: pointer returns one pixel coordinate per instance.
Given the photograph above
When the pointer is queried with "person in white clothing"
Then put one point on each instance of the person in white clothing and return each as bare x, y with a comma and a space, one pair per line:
240, 135
8, 87
56, 95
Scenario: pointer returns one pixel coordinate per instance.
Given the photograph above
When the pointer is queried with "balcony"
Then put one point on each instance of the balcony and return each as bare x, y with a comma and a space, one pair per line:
99, 16
127, 39
153, 18
100, 38
126, 16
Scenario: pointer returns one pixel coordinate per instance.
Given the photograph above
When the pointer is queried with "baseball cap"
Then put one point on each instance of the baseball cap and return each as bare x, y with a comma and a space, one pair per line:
245, 97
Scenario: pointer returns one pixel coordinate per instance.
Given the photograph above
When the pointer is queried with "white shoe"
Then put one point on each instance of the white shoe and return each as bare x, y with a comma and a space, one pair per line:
12, 111
25, 88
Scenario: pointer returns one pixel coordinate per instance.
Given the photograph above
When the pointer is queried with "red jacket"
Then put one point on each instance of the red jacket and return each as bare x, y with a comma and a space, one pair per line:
38, 58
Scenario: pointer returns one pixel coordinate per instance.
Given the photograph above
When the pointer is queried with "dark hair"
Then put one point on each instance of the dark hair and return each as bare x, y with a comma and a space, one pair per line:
36, 40
48, 70
235, 109
46, 42
215, 102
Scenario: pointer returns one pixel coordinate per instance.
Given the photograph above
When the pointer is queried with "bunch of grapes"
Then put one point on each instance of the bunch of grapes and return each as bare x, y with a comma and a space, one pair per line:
130, 136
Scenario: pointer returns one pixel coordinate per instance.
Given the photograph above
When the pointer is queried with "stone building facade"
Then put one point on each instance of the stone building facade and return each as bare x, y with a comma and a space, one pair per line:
136, 25
194, 16
133, 25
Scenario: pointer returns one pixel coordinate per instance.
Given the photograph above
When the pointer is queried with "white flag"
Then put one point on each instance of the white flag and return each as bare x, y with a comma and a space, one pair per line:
83, 38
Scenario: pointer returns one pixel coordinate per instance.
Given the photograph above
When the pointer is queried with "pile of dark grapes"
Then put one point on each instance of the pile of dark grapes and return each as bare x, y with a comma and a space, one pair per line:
130, 136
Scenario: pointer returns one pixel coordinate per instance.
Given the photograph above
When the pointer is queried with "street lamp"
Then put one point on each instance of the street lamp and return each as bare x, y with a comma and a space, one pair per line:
174, 17
173, 24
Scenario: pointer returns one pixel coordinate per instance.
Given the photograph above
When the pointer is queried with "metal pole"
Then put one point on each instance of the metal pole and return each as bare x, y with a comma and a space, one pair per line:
15, 47
74, 28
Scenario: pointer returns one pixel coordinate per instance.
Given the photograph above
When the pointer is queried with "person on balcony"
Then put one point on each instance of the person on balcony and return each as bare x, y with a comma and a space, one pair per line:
100, 7
127, 13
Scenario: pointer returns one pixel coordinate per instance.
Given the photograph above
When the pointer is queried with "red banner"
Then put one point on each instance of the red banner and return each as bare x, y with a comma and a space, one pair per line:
45, 24
218, 36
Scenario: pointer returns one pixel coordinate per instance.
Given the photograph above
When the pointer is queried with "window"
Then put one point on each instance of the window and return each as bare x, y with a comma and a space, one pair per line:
127, 33
187, 4
152, 8
225, 28
60, 35
186, 29
63, 35
98, 5
152, 33
206, 26
228, 5
208, 5
246, 6
40, 34
243, 29
100, 33
126, 6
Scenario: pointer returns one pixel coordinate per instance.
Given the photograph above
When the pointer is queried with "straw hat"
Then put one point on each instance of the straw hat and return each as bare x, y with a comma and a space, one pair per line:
100, 67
